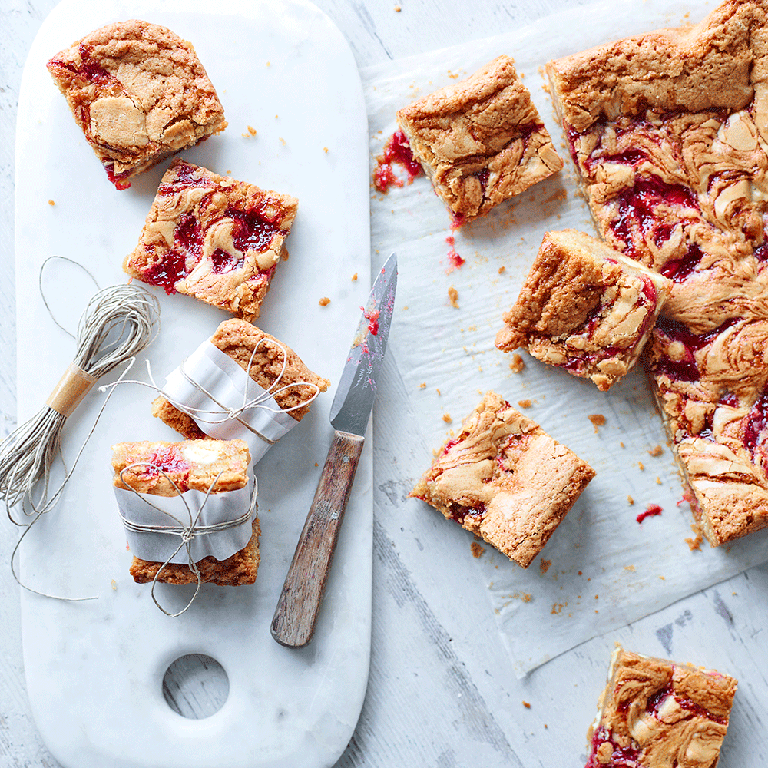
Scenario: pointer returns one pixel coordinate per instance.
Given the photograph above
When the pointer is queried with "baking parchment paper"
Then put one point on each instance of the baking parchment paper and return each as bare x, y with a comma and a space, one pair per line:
601, 569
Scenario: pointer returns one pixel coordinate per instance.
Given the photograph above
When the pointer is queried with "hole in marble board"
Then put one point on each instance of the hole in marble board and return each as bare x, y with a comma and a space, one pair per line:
195, 686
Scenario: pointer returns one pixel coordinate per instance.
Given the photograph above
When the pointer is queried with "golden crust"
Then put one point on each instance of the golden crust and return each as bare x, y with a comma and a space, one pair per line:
662, 713
139, 93
704, 67
505, 479
481, 141
213, 238
584, 306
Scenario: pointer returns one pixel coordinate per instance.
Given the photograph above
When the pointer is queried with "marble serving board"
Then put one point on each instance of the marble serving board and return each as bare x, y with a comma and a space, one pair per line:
94, 669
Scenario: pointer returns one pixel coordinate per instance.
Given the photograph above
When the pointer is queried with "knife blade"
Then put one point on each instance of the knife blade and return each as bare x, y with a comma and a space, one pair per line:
293, 624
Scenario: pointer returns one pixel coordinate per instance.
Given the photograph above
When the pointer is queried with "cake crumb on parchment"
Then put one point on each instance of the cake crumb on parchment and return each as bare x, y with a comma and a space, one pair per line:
447, 418
517, 364
324, 302
524, 403
544, 565
477, 550
453, 295
597, 420
657, 451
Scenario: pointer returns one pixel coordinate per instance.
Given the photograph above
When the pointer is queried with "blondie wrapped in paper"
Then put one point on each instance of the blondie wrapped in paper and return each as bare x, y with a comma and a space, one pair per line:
242, 383
188, 508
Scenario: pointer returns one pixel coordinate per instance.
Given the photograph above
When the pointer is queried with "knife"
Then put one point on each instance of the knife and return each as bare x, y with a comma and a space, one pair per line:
296, 614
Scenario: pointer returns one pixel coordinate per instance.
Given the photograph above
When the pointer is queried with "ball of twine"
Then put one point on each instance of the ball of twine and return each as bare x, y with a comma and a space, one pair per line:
117, 324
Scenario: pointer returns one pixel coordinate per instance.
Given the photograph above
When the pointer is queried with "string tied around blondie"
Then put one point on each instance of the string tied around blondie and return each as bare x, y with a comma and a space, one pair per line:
185, 531
216, 412
117, 324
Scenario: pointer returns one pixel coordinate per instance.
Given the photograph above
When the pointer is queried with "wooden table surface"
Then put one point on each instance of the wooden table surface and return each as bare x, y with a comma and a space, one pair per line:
441, 690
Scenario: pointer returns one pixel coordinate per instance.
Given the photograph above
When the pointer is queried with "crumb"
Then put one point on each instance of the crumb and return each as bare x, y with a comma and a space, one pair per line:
694, 543
630, 500
579, 572
316, 464
51, 202
658, 481
524, 403
477, 550
621, 444
275, 117
526, 598
423, 385
557, 607
597, 420
447, 418
641, 465
325, 149
657, 451
251, 131
405, 307
438, 391
502, 270
527, 704
453, 295
597, 596
545, 725
354, 277
114, 585
398, 9
269, 63
544, 565
517, 363
324, 302
629, 568
282, 140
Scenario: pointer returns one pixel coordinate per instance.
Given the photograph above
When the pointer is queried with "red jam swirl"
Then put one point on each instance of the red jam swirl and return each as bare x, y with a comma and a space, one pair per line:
621, 757
252, 229
187, 242
679, 269
755, 431
656, 702
167, 461
636, 209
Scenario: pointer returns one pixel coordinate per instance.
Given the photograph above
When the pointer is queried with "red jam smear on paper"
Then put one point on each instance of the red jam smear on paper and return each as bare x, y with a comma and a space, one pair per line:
454, 259
652, 510
397, 151
621, 757
636, 209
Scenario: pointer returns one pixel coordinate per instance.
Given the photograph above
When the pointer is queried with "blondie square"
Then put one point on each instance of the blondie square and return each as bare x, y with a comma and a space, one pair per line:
654, 713
266, 360
668, 132
481, 141
213, 238
168, 469
584, 307
504, 479
139, 93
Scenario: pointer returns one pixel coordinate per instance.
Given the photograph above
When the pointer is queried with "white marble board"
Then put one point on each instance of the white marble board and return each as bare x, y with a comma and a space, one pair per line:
94, 669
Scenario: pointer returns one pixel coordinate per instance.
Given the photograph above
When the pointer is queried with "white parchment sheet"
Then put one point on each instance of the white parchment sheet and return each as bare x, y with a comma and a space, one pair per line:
601, 569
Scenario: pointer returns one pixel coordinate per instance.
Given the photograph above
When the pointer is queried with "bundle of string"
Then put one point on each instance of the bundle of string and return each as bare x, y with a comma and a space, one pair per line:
185, 532
117, 324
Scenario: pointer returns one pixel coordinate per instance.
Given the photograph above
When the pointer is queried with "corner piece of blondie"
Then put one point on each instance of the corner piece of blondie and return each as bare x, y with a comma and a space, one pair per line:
169, 469
584, 307
139, 94
213, 238
654, 713
481, 140
505, 479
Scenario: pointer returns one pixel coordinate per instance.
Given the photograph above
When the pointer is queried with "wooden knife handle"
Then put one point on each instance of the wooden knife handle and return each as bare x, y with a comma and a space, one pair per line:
296, 614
